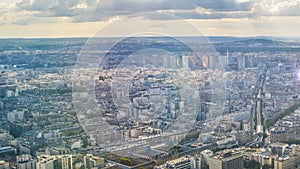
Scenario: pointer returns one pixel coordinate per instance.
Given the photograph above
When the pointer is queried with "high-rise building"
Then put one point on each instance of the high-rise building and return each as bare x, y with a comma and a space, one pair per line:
241, 62
249, 60
185, 62
197, 162
227, 57
166, 61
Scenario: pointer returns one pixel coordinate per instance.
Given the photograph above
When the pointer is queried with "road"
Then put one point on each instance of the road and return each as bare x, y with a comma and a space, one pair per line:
259, 125
257, 137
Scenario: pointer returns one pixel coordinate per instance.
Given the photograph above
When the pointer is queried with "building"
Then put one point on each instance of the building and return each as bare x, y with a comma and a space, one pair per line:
263, 156
45, 162
15, 116
226, 160
197, 162
54, 162
185, 62
91, 161
25, 162
5, 138
186, 162
285, 162
57, 151
278, 148
7, 151
241, 62
233, 162
16, 129
4, 165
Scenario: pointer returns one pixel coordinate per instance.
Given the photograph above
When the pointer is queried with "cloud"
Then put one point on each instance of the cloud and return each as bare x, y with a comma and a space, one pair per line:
109, 8
276, 8
99, 10
103, 10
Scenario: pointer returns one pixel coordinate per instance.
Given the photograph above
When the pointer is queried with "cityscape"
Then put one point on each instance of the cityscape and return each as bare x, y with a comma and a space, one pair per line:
168, 107
149, 84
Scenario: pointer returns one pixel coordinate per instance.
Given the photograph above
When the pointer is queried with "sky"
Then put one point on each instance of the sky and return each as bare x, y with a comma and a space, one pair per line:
86, 18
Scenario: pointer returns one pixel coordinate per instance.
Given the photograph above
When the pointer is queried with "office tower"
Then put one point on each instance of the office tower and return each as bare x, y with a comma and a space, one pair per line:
241, 62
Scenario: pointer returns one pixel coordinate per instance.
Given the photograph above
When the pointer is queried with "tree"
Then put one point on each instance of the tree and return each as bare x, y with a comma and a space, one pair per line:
177, 149
205, 166
251, 164
126, 161
266, 166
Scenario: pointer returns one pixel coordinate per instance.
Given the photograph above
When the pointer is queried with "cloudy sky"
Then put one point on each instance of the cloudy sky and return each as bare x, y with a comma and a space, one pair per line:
77, 18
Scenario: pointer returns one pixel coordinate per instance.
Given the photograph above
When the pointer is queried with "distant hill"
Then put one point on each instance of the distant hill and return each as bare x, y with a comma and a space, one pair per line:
258, 42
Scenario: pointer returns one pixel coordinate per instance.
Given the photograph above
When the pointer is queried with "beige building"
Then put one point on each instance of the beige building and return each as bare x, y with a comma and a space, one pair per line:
226, 160
91, 161
288, 162
25, 161
4, 165
54, 162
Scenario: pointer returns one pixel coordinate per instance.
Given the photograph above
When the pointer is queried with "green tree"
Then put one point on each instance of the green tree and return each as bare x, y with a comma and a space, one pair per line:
177, 149
126, 161
251, 164
205, 166
266, 166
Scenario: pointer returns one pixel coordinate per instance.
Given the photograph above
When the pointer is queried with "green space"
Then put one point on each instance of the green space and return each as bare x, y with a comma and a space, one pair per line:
125, 160
177, 149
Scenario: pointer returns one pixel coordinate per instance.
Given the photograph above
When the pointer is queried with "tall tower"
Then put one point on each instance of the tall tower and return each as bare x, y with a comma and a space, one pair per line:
241, 63
227, 57
185, 62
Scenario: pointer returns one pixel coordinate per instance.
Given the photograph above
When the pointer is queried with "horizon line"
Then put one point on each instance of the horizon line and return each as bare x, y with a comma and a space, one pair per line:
228, 36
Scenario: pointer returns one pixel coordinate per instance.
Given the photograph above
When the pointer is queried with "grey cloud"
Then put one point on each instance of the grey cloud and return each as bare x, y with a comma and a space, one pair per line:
121, 7
276, 8
50, 7
99, 10
224, 5
192, 14
292, 10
